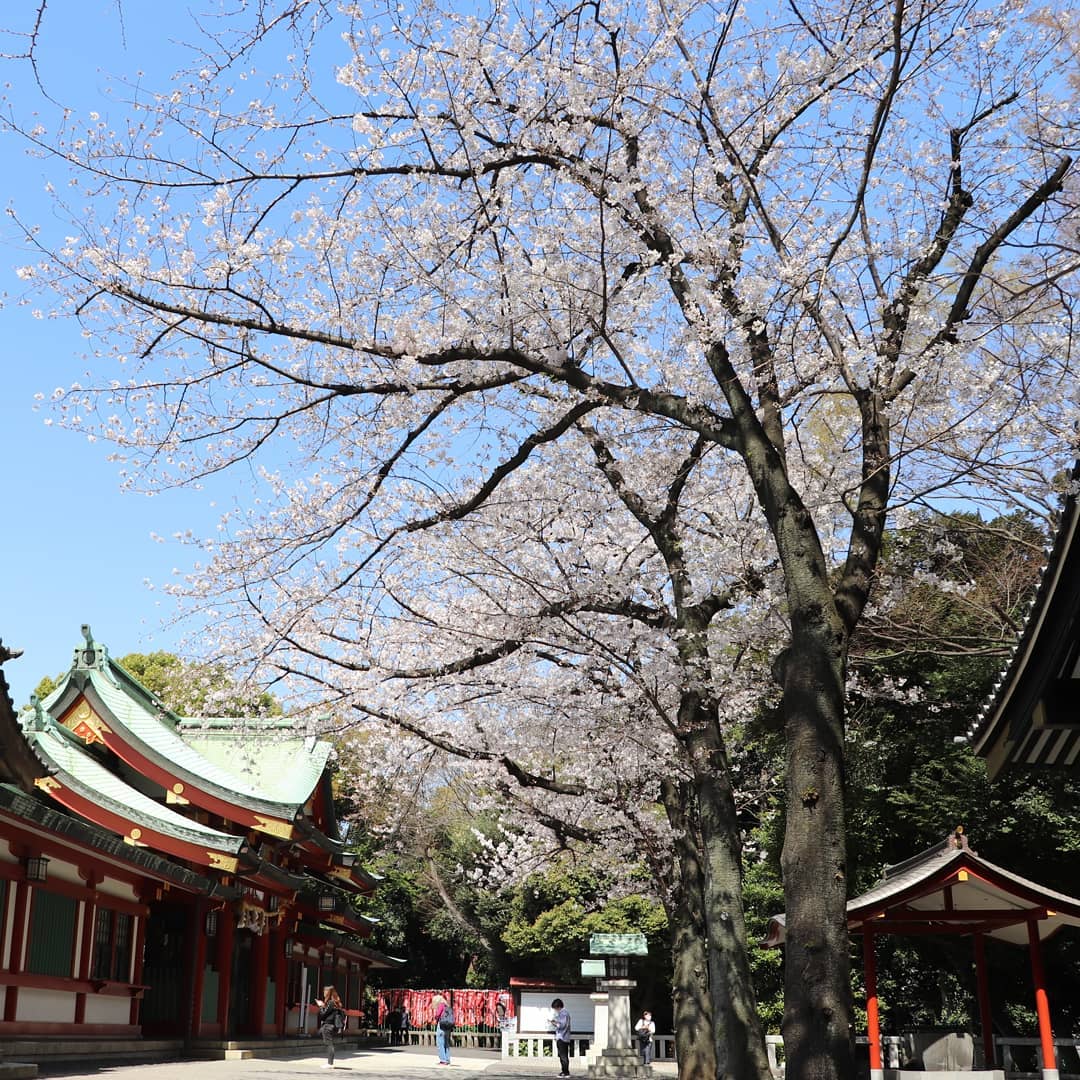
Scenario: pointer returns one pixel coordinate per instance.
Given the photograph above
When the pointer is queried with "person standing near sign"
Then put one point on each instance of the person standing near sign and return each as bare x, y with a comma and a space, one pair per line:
645, 1029
562, 1035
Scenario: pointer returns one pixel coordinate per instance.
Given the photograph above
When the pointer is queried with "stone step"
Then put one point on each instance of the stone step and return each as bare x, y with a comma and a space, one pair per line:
20, 1052
18, 1070
16, 1050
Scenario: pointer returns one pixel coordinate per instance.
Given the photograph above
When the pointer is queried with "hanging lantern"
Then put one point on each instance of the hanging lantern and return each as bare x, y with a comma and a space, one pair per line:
37, 868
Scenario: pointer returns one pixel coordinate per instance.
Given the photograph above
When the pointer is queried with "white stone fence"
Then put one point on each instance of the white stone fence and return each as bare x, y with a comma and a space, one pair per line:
526, 1044
1020, 1057
1024, 1056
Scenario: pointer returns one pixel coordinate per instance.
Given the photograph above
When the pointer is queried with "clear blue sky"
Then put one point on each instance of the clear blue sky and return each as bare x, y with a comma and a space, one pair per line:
75, 548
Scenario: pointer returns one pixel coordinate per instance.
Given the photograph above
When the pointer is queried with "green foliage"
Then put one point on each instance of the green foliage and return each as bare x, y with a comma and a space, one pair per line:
45, 688
967, 585
539, 928
410, 926
198, 689
186, 688
763, 897
558, 936
957, 589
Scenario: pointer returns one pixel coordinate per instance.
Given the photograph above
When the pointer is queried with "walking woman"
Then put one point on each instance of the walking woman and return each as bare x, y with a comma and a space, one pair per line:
331, 1020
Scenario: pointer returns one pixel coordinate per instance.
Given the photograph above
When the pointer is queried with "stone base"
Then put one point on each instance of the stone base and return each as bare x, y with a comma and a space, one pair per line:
944, 1074
620, 1063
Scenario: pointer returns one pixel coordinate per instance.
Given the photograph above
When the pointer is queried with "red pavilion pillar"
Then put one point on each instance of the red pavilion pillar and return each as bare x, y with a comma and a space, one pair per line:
983, 987
1042, 1004
873, 1025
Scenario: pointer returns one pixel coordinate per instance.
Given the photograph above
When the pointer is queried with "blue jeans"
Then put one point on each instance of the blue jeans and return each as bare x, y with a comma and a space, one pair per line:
442, 1043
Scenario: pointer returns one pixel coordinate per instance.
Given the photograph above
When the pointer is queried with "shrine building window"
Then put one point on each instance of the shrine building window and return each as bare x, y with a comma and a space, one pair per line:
52, 934
112, 945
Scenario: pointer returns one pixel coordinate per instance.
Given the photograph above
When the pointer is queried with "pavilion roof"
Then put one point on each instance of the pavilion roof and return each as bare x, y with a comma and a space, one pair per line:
103, 797
949, 889
1032, 718
236, 795
227, 771
256, 773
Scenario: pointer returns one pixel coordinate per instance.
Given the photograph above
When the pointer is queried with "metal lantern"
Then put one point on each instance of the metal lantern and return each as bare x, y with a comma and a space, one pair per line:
37, 868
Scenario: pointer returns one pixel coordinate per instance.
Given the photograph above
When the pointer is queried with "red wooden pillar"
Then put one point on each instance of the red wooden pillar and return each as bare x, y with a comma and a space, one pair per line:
137, 963
259, 975
1042, 1004
86, 948
983, 986
197, 933
873, 1025
18, 946
280, 965
224, 966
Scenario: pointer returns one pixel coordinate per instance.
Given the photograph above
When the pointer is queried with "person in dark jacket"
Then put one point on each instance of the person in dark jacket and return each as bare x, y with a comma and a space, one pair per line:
393, 1022
331, 1020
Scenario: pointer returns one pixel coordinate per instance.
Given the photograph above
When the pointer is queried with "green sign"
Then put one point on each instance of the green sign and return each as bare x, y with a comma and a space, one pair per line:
593, 969
618, 945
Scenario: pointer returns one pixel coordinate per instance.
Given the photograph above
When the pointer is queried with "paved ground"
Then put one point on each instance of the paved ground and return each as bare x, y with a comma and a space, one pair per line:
413, 1063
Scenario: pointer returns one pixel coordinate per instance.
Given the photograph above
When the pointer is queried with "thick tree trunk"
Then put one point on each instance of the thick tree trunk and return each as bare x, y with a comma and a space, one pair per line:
695, 1047
740, 1040
817, 1026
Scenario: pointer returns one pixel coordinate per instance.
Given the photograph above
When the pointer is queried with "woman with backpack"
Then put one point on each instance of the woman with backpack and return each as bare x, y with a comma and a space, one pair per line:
331, 1020
444, 1027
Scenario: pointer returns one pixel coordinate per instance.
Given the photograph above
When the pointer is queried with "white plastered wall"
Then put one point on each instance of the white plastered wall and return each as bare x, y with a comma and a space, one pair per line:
536, 1010
51, 1006
107, 1009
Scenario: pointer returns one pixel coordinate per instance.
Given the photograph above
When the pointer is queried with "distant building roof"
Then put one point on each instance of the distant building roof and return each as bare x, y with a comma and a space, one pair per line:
949, 889
1033, 717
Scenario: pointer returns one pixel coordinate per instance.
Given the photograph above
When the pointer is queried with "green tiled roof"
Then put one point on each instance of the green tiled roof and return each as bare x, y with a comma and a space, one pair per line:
267, 760
90, 779
152, 727
260, 765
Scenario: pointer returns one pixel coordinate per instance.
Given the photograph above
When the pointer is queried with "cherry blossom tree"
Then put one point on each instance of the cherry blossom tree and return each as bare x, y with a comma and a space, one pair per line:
606, 683
578, 356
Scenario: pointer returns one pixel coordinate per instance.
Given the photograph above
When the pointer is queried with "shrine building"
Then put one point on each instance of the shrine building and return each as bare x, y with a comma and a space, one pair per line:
168, 877
1033, 717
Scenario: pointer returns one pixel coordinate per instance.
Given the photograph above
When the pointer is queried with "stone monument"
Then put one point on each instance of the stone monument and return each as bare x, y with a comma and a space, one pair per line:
618, 1057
